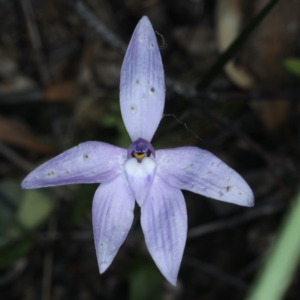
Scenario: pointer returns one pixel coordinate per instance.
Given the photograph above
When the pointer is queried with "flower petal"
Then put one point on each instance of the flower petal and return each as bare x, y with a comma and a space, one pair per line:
164, 223
88, 162
113, 207
199, 171
142, 87
140, 176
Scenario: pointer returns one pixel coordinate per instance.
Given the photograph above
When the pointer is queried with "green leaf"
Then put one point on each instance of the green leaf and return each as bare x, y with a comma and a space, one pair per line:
292, 65
10, 194
35, 207
235, 46
82, 203
144, 280
282, 260
20, 213
12, 252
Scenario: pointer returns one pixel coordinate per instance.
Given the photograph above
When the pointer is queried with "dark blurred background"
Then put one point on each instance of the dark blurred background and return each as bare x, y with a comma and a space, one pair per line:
60, 66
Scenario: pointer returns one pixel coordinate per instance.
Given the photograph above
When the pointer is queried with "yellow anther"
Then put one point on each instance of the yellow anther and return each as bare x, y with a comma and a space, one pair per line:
139, 155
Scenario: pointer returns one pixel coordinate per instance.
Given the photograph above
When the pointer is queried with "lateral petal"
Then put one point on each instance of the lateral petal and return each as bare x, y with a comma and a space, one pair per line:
89, 162
113, 207
164, 223
142, 87
199, 171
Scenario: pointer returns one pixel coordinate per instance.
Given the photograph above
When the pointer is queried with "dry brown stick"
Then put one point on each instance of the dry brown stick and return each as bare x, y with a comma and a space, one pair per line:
48, 262
99, 27
15, 158
216, 272
253, 213
268, 158
36, 41
14, 272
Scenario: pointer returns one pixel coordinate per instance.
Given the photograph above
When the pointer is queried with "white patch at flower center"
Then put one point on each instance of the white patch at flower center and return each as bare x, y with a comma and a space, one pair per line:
140, 176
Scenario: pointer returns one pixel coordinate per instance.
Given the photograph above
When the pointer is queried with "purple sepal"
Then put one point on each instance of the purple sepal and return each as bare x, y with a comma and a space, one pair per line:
142, 87
164, 223
90, 162
199, 171
113, 207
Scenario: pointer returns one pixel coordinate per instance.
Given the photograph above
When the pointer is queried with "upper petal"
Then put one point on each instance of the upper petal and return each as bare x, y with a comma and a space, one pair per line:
88, 162
199, 171
113, 206
142, 87
164, 223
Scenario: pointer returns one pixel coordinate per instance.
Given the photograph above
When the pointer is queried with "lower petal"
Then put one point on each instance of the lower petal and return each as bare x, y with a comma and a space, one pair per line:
113, 207
164, 223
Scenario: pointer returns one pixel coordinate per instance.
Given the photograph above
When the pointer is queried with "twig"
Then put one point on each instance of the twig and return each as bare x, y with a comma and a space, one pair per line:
74, 236
48, 263
13, 273
95, 23
14, 97
253, 213
35, 40
218, 96
234, 129
237, 43
15, 158
251, 267
207, 268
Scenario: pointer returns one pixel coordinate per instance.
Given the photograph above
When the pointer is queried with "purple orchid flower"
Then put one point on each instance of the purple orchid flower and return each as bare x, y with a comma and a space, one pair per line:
153, 178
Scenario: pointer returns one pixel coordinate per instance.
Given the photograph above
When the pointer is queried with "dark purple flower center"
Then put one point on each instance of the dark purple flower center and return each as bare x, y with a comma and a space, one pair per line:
140, 149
